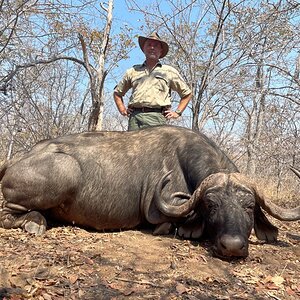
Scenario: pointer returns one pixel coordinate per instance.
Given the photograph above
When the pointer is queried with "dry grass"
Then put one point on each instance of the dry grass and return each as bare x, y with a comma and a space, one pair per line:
286, 193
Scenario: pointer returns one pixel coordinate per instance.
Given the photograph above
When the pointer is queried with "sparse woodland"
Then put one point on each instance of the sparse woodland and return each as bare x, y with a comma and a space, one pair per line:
59, 62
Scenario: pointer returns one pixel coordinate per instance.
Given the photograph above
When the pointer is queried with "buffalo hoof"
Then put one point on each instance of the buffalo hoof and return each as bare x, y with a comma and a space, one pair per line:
163, 229
32, 222
34, 228
191, 231
35, 223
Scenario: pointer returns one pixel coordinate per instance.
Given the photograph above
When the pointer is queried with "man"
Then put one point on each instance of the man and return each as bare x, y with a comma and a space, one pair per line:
151, 84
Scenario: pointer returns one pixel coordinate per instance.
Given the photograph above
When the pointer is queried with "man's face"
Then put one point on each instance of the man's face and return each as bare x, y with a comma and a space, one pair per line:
152, 49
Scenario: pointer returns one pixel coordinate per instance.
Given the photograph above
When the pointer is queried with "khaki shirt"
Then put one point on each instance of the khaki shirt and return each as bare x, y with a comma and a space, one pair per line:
152, 89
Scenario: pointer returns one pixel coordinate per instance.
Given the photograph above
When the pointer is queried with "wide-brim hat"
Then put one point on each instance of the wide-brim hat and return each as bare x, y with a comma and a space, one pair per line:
156, 37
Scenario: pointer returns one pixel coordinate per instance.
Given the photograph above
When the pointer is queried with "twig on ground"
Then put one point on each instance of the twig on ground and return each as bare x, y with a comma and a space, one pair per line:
139, 282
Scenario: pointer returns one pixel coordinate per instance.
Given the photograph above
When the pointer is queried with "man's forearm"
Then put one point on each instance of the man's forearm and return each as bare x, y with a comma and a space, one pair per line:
120, 104
184, 102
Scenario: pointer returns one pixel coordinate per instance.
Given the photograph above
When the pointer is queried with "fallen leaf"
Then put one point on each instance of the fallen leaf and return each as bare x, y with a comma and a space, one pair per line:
88, 261
272, 286
127, 292
278, 280
181, 289
42, 273
80, 294
46, 296
113, 285
273, 282
73, 278
289, 291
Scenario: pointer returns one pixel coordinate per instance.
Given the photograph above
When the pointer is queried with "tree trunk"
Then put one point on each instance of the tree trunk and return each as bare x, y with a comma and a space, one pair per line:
256, 119
97, 85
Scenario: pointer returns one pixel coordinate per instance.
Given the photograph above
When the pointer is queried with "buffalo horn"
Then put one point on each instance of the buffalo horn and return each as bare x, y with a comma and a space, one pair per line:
297, 172
186, 201
280, 213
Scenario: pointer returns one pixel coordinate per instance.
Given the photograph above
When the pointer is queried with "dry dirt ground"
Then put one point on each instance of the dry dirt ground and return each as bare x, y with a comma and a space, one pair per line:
74, 263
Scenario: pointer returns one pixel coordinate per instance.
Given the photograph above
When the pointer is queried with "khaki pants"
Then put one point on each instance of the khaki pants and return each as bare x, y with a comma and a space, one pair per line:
139, 120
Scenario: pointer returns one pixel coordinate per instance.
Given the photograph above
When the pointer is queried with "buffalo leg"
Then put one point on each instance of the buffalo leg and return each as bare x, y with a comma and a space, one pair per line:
30, 221
191, 231
163, 229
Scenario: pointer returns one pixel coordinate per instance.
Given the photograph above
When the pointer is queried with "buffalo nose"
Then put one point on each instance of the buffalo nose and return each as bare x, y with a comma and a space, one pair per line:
229, 245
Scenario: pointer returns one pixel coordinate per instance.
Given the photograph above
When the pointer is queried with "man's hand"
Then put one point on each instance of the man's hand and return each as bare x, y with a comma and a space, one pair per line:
169, 114
126, 112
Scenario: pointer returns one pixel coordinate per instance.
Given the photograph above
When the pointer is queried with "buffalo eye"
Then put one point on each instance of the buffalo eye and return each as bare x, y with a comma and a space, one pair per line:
246, 201
210, 204
249, 208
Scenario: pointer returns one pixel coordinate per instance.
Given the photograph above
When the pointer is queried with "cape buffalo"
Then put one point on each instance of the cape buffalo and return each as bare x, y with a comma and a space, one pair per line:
161, 175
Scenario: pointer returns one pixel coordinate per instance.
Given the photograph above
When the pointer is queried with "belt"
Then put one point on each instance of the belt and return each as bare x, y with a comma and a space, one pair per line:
148, 109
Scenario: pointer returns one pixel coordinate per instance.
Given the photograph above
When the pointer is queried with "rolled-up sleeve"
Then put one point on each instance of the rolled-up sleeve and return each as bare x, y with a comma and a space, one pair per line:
178, 84
124, 85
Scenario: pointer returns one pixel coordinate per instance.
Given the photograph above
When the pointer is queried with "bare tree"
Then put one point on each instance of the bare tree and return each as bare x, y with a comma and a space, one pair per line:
97, 76
269, 41
66, 34
240, 58
10, 15
199, 50
42, 38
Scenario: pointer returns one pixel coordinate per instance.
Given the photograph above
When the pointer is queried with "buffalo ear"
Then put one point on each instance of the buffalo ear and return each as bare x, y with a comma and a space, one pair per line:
264, 230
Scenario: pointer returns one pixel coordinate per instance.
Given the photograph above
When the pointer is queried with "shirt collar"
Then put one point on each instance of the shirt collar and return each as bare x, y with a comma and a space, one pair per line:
159, 64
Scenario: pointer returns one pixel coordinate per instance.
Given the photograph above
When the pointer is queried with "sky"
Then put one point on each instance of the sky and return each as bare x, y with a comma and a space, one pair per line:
122, 16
